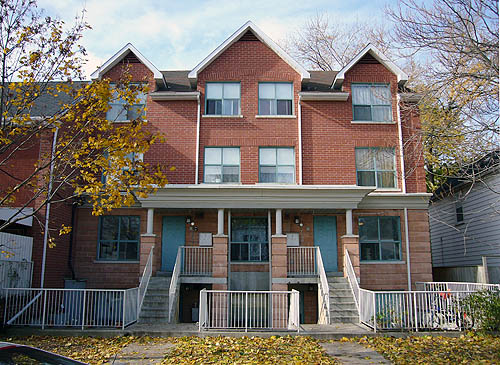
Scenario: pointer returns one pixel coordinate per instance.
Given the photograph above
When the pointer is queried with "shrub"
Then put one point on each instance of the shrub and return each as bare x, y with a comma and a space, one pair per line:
484, 308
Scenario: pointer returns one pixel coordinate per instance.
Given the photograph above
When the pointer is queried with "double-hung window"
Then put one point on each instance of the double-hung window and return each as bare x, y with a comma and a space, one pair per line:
275, 98
371, 102
222, 165
222, 98
380, 238
276, 165
376, 167
120, 111
128, 167
119, 238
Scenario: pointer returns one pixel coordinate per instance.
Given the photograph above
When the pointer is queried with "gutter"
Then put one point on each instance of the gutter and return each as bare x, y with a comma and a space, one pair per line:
175, 95
400, 132
323, 96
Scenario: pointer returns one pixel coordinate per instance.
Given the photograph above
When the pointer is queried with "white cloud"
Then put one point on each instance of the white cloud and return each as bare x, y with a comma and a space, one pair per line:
179, 34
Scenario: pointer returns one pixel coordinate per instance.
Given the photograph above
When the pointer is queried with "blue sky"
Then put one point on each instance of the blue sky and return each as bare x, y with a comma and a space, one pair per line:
178, 34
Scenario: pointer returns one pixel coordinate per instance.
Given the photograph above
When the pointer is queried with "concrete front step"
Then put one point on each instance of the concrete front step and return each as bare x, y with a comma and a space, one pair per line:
344, 319
345, 305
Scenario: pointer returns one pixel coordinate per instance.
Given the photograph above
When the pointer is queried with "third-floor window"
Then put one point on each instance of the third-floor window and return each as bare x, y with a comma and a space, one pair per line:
371, 103
275, 98
222, 98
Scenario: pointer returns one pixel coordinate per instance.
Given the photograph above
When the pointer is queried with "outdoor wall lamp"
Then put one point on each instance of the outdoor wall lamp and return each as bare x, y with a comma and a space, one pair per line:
297, 221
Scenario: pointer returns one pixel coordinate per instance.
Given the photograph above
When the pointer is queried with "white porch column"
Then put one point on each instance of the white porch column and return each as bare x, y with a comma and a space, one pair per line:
149, 226
279, 222
220, 222
348, 222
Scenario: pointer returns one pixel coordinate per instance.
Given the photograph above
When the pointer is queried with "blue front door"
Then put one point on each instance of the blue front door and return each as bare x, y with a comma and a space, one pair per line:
173, 235
325, 236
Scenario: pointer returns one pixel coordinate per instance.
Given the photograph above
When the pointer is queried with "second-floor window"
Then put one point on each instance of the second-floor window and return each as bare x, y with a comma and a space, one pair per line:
376, 167
120, 111
222, 98
371, 102
276, 165
222, 165
275, 98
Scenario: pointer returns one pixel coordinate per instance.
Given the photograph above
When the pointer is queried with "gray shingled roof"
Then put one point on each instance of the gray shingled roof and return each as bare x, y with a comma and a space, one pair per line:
319, 81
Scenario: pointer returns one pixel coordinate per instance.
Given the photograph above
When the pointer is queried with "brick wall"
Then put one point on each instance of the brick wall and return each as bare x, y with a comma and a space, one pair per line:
249, 62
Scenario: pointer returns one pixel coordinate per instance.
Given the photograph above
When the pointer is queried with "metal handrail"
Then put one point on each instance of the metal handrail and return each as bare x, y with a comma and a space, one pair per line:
323, 287
174, 284
351, 276
143, 285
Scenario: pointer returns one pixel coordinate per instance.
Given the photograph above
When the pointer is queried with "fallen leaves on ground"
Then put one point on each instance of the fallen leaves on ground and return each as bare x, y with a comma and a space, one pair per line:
470, 348
189, 350
86, 349
247, 350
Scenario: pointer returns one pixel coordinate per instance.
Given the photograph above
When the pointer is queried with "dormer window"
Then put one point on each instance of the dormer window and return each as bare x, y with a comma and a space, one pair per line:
222, 98
371, 103
275, 98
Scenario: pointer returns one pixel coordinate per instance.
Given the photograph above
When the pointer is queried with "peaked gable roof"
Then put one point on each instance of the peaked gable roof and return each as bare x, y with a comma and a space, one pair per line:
261, 36
379, 56
120, 55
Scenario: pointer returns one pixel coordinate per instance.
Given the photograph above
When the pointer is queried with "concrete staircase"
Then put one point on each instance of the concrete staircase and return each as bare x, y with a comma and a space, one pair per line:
342, 305
155, 305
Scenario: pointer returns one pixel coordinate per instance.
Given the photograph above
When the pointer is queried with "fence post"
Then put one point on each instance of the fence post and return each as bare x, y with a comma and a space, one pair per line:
415, 310
44, 307
246, 312
374, 313
124, 308
84, 308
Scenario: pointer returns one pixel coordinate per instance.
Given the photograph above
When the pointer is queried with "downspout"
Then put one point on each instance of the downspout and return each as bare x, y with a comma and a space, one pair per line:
47, 209
197, 140
269, 249
299, 126
403, 178
400, 132
70, 251
407, 238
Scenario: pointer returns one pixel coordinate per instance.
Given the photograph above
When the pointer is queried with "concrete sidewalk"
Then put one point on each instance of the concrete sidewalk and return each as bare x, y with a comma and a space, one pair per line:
353, 353
138, 353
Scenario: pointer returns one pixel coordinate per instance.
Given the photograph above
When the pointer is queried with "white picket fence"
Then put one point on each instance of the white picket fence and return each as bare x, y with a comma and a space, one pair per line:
454, 286
249, 310
82, 308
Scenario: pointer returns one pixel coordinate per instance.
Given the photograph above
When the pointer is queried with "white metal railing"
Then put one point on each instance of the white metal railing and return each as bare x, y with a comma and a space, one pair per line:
454, 286
415, 310
174, 286
70, 307
196, 261
14, 247
301, 261
351, 276
143, 285
15, 274
249, 310
324, 291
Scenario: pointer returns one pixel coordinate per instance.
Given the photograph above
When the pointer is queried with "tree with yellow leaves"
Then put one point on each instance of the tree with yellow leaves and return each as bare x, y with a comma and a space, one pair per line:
56, 143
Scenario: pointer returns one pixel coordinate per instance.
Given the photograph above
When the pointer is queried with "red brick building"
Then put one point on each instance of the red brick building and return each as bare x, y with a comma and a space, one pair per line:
271, 159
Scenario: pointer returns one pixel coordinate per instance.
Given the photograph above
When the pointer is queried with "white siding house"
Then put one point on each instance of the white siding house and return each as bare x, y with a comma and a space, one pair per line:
465, 227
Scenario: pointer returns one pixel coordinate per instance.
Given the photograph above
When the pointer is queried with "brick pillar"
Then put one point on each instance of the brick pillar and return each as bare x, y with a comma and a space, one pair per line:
351, 244
219, 302
147, 241
279, 271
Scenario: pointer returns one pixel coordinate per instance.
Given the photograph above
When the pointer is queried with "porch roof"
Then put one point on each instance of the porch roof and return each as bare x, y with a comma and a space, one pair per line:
267, 196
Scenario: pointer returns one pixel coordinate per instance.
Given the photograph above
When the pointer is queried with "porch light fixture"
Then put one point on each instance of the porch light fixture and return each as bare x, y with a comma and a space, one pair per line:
297, 221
